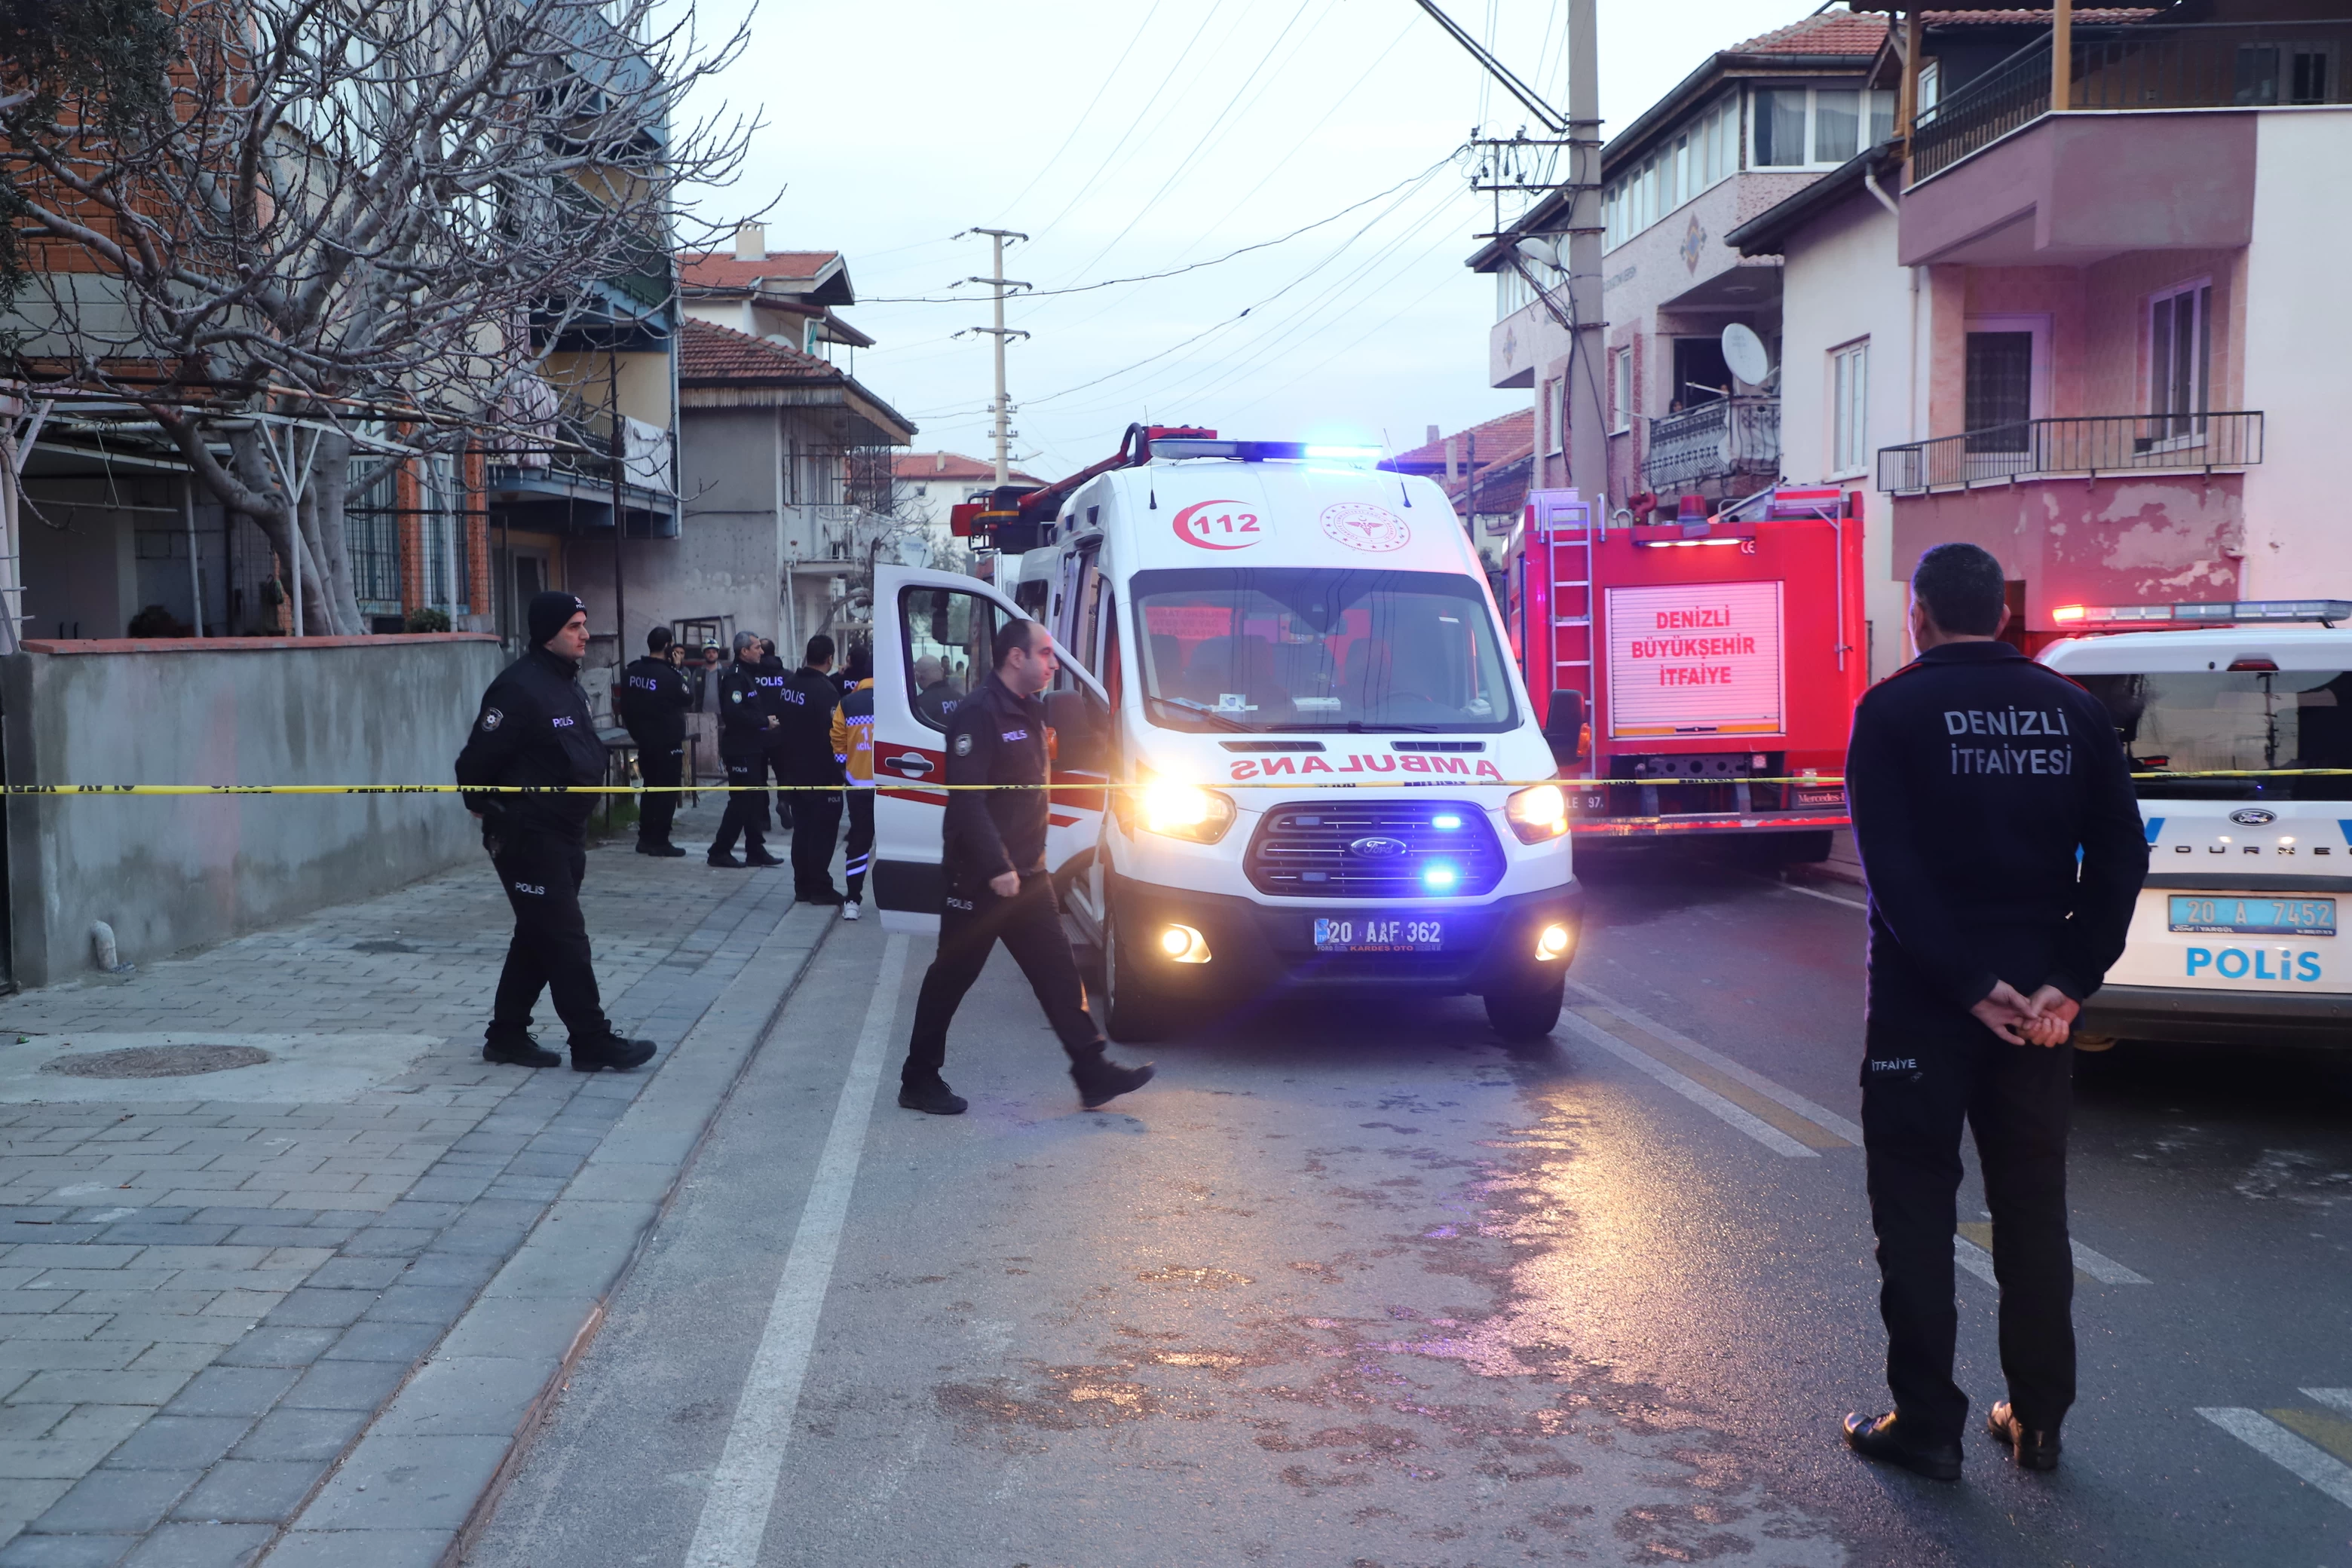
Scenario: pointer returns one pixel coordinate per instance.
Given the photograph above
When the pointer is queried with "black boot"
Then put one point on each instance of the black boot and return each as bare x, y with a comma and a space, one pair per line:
664, 849
757, 855
1880, 1438
2033, 1449
612, 1053
934, 1097
517, 1048
724, 857
1101, 1080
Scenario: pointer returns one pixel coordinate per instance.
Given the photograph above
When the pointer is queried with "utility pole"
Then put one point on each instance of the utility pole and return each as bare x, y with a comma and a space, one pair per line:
1000, 282
620, 522
1588, 443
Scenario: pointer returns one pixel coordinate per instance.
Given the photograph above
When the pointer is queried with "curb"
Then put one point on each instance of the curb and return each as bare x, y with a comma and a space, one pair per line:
423, 1478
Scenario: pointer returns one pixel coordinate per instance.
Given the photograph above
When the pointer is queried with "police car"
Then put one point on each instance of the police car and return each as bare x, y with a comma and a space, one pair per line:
2237, 936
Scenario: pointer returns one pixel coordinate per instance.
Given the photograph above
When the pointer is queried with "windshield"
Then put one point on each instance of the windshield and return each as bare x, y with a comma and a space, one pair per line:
2201, 719
1311, 649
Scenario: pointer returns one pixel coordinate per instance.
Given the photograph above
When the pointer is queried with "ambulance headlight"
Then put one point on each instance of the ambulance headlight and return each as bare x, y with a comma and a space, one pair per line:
1180, 810
1539, 814
1552, 942
1183, 945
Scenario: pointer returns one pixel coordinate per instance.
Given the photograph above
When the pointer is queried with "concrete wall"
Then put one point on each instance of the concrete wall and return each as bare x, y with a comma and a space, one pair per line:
172, 872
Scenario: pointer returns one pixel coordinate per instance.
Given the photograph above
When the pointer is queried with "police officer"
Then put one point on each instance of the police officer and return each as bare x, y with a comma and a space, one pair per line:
745, 721
1977, 777
993, 855
853, 747
534, 728
654, 698
772, 677
805, 761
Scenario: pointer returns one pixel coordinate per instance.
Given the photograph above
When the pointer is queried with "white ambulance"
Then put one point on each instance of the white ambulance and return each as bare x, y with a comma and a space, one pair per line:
1293, 750
2238, 935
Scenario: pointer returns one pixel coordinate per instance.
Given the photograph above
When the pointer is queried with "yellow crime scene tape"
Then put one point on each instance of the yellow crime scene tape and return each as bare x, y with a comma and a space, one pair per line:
1810, 781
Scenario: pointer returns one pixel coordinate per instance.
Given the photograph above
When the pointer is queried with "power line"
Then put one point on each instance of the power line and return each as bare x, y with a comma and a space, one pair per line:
1079, 125
1141, 114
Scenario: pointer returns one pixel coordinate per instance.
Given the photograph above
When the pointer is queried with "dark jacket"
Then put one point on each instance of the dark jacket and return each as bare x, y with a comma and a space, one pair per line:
995, 737
1994, 813
804, 740
770, 676
743, 712
653, 698
533, 729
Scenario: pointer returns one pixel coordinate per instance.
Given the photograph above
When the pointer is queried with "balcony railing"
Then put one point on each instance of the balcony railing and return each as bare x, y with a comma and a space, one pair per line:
2211, 65
1716, 440
2117, 443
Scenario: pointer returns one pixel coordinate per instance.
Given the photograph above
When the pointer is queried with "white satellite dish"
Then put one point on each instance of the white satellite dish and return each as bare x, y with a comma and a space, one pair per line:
1744, 352
1540, 250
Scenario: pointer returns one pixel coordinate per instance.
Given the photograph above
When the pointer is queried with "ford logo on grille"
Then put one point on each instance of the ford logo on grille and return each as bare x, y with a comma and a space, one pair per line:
1378, 848
2253, 817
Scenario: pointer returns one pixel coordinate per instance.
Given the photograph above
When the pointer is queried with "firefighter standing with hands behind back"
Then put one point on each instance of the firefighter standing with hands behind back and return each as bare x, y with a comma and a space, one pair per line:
1977, 777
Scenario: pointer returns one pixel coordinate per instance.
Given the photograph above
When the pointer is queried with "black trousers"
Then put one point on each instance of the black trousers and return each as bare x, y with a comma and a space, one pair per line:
542, 874
970, 925
859, 853
659, 766
1928, 1070
784, 797
816, 827
747, 804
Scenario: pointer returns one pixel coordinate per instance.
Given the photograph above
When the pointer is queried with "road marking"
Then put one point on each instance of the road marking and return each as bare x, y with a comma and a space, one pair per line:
1814, 893
1975, 1258
743, 1487
2274, 1442
2095, 1267
2105, 1269
2331, 1432
2336, 1398
1596, 1026
1817, 1119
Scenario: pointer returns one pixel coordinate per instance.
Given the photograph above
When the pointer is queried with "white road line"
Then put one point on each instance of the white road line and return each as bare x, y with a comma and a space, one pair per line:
743, 1488
2273, 1441
2105, 1270
1974, 1259
2335, 1398
1814, 893
1818, 1115
1698, 1094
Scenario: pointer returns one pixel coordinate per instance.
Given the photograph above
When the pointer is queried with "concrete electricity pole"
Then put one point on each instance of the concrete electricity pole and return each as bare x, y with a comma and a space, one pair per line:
1587, 428
1000, 282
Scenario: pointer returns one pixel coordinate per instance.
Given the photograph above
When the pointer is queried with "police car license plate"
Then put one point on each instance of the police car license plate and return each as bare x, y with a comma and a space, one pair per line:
2242, 914
1384, 933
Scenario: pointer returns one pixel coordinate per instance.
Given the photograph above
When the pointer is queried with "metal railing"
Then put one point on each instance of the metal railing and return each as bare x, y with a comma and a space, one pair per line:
1715, 441
2101, 444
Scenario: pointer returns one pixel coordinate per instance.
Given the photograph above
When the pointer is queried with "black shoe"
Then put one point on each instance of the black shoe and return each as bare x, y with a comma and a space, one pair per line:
666, 851
722, 857
823, 896
759, 857
1875, 1437
1101, 1080
2032, 1450
934, 1097
612, 1053
519, 1051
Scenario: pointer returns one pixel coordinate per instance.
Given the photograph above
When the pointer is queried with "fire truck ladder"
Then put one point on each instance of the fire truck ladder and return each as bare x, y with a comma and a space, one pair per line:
1563, 531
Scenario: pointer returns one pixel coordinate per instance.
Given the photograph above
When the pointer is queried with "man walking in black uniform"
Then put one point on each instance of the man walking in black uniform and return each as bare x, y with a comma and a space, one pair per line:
993, 853
771, 677
654, 698
534, 728
804, 760
1977, 777
744, 722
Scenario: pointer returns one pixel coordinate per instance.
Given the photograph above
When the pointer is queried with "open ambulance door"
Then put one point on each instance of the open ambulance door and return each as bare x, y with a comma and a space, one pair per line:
932, 637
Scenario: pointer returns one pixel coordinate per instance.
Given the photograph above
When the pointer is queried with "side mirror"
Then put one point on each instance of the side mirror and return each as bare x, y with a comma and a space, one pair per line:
1564, 723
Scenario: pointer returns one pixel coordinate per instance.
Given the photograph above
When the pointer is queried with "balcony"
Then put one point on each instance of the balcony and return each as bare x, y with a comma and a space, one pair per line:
2107, 444
1722, 439
2241, 64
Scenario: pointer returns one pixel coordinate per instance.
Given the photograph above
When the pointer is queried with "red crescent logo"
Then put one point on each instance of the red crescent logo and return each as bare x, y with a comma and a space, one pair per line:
1233, 529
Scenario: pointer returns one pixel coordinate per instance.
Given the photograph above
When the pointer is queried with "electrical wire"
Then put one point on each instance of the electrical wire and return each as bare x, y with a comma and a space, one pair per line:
1079, 125
1140, 115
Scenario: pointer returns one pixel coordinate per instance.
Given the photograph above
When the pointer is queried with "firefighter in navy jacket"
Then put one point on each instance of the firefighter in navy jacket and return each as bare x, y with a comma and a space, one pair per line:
1994, 813
993, 853
653, 698
534, 728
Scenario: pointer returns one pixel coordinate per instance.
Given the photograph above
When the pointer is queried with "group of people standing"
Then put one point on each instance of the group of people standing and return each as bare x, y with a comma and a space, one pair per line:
807, 730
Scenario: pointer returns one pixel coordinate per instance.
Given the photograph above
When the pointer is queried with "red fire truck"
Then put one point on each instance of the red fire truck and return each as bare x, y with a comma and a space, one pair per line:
1681, 666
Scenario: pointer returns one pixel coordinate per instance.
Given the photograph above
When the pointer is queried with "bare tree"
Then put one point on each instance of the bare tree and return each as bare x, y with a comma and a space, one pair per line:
338, 216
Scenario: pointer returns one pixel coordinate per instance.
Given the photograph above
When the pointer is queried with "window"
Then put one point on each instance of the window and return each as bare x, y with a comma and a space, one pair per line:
1850, 409
1687, 165
1560, 414
2195, 720
2284, 73
1547, 411
1931, 88
2179, 360
448, 565
1805, 127
1997, 396
1621, 390
948, 635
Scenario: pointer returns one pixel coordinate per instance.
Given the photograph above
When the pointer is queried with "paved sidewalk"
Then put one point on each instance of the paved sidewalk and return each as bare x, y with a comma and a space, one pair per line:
210, 1284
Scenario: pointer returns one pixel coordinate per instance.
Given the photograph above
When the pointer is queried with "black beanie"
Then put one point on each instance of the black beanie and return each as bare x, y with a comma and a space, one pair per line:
549, 614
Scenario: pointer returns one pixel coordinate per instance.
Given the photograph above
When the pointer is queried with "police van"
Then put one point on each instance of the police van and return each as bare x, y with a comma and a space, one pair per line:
1292, 750
2238, 935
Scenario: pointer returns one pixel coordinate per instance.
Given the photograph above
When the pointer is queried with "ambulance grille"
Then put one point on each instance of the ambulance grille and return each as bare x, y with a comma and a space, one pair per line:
1318, 851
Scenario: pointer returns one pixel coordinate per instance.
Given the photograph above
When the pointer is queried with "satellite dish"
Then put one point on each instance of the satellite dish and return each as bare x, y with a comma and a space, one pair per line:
1743, 350
1540, 250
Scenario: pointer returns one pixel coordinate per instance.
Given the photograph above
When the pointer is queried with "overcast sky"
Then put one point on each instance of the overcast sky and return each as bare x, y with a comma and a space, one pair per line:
1138, 137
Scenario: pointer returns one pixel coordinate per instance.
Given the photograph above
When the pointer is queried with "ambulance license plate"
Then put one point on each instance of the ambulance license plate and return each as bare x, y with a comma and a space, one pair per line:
2239, 914
1378, 933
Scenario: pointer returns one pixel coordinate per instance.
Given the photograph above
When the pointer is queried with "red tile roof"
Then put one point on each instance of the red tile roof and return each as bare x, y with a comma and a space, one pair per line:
1498, 438
1830, 33
720, 269
958, 470
712, 354
2093, 15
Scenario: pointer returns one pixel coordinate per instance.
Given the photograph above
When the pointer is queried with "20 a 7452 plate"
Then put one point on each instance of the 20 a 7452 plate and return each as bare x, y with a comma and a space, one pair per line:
2247, 914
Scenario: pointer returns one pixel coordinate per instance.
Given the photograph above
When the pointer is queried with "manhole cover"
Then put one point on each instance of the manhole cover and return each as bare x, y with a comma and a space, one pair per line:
158, 1061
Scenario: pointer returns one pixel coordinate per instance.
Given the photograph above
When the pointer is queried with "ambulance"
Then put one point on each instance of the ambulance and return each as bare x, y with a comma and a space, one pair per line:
1292, 750
2238, 935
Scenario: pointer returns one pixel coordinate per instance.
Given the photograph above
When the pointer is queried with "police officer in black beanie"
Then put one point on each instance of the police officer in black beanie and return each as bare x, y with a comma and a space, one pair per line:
652, 698
534, 730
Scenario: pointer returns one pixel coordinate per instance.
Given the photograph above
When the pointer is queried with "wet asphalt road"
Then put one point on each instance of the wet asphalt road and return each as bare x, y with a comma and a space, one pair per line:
1357, 1285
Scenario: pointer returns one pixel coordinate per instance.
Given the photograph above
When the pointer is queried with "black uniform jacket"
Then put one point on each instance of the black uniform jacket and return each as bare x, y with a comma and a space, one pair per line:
743, 712
1994, 812
533, 729
995, 737
652, 698
804, 740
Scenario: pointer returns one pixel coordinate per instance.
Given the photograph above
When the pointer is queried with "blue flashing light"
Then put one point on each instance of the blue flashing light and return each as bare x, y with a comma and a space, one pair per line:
1346, 454
1439, 878
1448, 822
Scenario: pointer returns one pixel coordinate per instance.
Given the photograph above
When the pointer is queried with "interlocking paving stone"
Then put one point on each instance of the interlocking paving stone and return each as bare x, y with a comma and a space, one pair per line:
250, 1490
175, 1442
206, 1546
